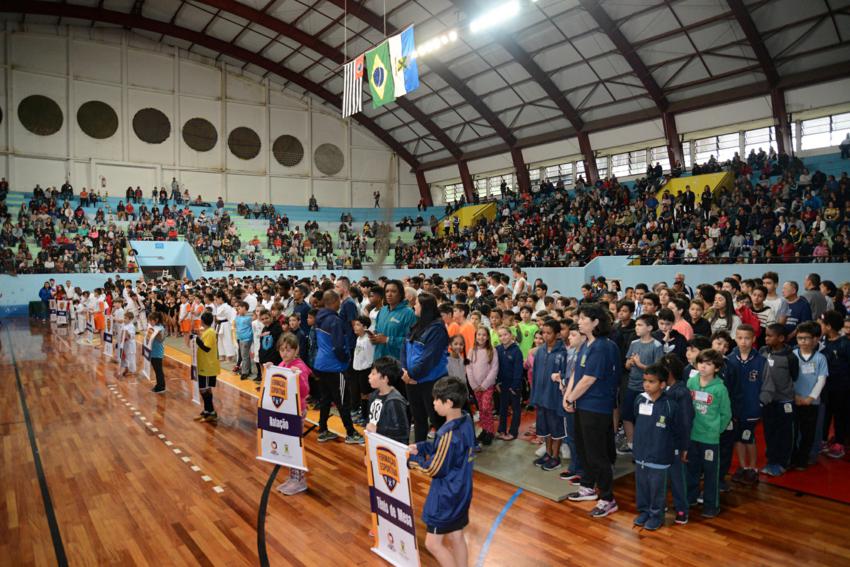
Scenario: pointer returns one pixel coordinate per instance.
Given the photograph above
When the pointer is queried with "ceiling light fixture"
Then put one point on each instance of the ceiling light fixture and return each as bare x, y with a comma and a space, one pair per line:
495, 17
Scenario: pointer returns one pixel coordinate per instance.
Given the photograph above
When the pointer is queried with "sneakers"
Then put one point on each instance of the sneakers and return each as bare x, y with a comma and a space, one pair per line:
824, 448
740, 475
653, 524
681, 518
201, 417
354, 439
244, 376
567, 475
708, 514
584, 494
751, 477
641, 519
325, 436
604, 508
623, 447
835, 451
361, 421
773, 470
157, 390
211, 417
724, 487
539, 461
487, 439
293, 486
551, 464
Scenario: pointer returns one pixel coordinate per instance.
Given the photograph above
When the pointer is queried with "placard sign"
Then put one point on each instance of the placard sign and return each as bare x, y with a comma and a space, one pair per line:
279, 422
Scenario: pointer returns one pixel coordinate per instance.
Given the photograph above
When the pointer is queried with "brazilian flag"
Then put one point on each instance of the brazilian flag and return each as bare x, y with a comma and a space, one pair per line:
380, 75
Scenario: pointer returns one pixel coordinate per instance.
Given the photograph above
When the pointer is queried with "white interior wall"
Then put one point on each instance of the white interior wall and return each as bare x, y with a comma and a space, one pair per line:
129, 72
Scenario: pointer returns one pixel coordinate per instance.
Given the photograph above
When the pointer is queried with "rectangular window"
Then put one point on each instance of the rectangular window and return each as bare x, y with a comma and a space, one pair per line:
686, 148
840, 127
453, 193
637, 162
619, 165
816, 133
481, 187
727, 146
659, 155
602, 167
705, 148
760, 138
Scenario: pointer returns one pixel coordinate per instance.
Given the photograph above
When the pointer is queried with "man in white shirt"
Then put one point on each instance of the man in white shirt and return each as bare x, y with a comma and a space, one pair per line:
250, 298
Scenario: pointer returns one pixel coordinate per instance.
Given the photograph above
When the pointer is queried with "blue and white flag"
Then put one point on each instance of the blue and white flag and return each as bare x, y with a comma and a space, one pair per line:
404, 68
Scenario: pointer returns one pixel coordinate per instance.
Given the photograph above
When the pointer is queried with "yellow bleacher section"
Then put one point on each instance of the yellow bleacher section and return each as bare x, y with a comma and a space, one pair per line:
697, 183
471, 214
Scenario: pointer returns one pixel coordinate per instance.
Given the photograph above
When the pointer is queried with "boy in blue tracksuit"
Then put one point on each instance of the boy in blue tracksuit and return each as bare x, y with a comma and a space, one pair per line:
509, 383
659, 433
677, 391
747, 365
448, 461
550, 361
332, 358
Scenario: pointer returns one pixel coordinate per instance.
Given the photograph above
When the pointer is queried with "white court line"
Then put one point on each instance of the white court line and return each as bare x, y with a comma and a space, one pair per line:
161, 436
177, 451
205, 478
168, 443
218, 489
196, 468
185, 459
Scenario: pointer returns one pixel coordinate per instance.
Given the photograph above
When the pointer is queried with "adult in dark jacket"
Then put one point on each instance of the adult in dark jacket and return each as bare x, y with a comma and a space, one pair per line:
45, 294
332, 359
424, 360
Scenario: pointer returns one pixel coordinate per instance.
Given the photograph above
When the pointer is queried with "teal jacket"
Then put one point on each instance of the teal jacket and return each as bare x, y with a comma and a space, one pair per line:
396, 326
712, 410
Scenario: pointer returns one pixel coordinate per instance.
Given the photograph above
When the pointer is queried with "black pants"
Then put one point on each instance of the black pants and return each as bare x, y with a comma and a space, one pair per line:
727, 447
778, 432
422, 409
595, 445
508, 399
837, 413
807, 420
360, 391
332, 390
156, 364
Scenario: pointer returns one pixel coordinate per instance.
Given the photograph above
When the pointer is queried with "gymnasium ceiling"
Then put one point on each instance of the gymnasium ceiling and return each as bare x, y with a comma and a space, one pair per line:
560, 67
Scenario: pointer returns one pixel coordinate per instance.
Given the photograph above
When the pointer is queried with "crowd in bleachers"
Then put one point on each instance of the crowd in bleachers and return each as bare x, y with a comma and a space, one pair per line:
775, 211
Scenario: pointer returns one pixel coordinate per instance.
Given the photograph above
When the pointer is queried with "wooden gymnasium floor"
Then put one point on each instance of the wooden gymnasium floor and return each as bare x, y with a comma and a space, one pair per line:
117, 470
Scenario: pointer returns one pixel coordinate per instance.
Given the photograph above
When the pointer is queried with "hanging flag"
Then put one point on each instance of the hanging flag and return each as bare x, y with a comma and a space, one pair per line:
352, 92
380, 75
404, 66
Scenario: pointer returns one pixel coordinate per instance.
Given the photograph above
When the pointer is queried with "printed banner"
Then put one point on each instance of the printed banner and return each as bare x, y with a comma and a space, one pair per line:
62, 312
150, 334
279, 422
393, 523
193, 370
108, 347
53, 310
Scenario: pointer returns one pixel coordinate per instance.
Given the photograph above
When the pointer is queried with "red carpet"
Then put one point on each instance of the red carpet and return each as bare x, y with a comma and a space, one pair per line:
829, 478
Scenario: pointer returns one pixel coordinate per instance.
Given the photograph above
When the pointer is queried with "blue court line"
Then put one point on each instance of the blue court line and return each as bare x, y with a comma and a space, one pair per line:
482, 555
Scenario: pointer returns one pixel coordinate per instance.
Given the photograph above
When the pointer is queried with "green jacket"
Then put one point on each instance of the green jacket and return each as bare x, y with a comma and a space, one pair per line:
712, 410
395, 325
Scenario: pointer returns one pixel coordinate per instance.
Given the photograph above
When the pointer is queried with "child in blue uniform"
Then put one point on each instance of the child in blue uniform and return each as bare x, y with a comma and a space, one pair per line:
448, 461
659, 434
677, 391
747, 366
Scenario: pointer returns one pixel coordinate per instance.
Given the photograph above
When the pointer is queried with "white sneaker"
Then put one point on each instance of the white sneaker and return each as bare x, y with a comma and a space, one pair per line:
540, 450
282, 487
295, 487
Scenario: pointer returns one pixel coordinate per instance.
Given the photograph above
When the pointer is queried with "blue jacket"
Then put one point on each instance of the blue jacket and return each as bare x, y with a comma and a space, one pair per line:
332, 354
680, 394
544, 392
748, 379
426, 357
448, 461
658, 434
45, 294
510, 368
